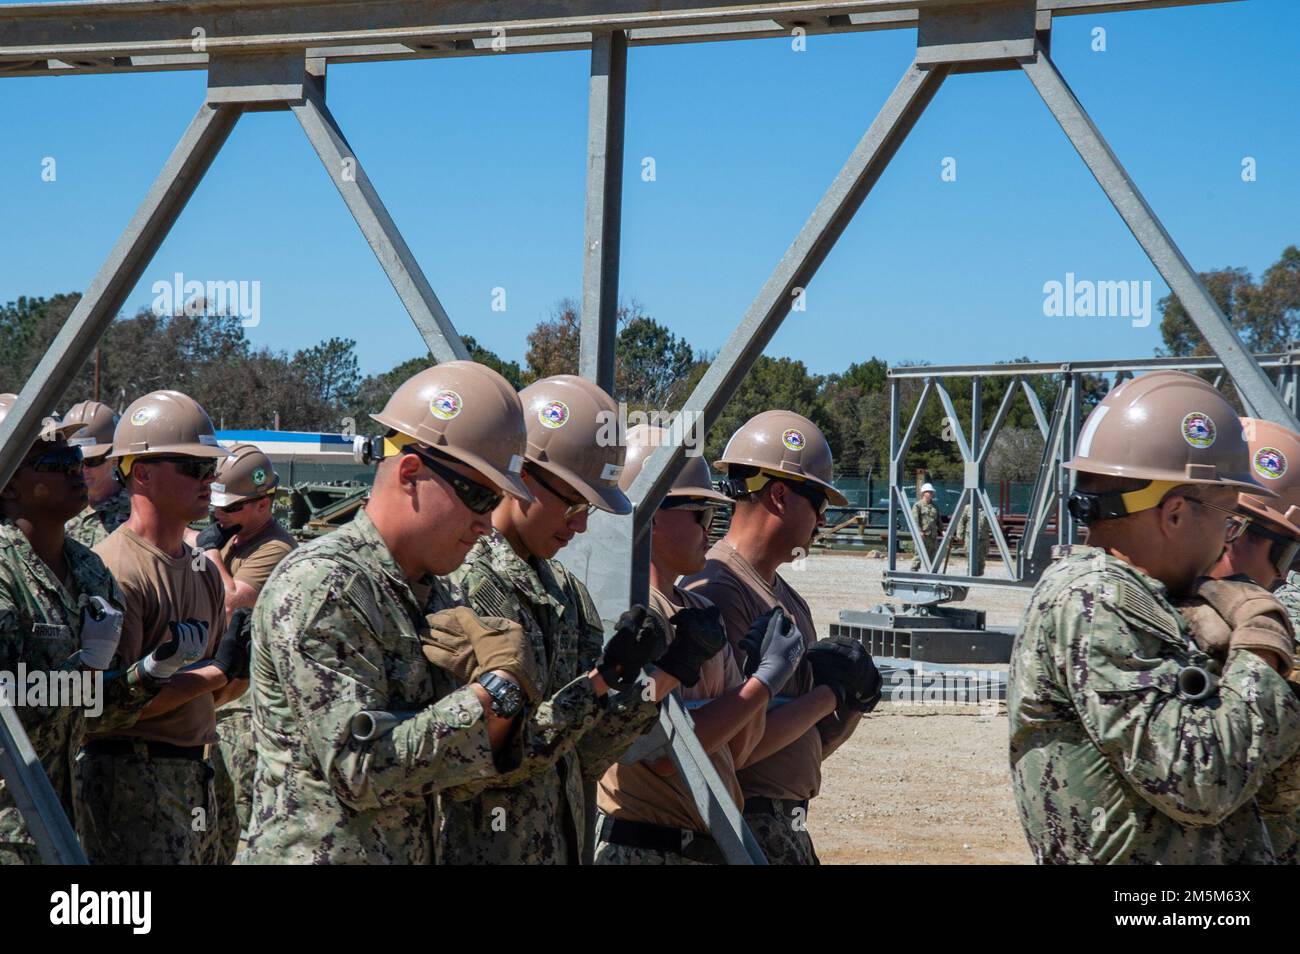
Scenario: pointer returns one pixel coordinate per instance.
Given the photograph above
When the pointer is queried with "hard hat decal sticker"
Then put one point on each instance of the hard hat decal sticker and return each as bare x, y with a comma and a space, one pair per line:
259, 476
553, 414
1198, 429
445, 405
1270, 462
793, 439
611, 472
142, 416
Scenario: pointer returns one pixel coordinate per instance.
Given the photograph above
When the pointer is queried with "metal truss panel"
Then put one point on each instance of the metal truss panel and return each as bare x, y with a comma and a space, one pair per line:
377, 225
107, 292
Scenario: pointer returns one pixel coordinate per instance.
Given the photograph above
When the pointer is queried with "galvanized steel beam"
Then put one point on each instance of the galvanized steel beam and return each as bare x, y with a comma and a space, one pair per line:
605, 121
1252, 384
29, 787
377, 225
106, 293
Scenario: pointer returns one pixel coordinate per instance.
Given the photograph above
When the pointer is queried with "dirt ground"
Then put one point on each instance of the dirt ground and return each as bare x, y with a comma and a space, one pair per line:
915, 784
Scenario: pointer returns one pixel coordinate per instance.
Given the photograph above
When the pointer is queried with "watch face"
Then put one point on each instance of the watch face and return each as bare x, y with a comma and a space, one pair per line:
507, 698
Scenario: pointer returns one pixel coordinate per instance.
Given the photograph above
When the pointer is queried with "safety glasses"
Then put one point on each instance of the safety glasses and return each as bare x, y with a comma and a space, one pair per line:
575, 507
62, 460
1234, 523
704, 512
235, 508
195, 468
479, 498
810, 493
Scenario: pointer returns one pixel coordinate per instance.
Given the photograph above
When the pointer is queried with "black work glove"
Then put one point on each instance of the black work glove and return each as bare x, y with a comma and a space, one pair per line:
752, 641
847, 668
233, 649
638, 638
215, 536
700, 637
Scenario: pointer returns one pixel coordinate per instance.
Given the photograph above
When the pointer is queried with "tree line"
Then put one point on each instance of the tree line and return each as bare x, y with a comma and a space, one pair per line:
321, 387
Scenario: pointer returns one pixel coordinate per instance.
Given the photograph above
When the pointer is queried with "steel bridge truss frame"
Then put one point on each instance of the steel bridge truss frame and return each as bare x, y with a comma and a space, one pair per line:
274, 55
1053, 483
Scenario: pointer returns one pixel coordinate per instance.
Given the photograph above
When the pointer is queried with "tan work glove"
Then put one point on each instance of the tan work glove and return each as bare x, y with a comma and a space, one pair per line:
1257, 620
467, 645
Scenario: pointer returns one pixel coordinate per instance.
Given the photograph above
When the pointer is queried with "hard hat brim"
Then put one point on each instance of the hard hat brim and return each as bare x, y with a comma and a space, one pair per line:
1240, 482
609, 499
174, 450
700, 493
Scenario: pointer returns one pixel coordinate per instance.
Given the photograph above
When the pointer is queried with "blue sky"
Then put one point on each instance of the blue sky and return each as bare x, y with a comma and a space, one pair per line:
481, 162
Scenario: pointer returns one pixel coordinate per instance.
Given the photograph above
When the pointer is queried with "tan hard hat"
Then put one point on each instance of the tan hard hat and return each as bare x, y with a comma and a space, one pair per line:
691, 481
573, 433
1275, 460
165, 422
468, 412
95, 423
783, 443
49, 426
244, 474
1166, 426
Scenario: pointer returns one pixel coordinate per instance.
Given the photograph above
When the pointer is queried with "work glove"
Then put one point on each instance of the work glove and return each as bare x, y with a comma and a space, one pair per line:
638, 638
215, 536
188, 639
232, 655
844, 665
700, 636
773, 645
1251, 618
101, 629
467, 645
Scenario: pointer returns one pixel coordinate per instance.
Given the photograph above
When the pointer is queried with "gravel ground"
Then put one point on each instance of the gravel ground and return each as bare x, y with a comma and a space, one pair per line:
915, 784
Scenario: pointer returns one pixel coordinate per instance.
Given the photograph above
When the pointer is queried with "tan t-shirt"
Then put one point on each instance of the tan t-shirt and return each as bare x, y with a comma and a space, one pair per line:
251, 561
794, 772
637, 792
159, 589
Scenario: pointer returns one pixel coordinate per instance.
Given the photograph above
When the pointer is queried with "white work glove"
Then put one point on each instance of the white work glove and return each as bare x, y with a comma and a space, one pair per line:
188, 640
101, 629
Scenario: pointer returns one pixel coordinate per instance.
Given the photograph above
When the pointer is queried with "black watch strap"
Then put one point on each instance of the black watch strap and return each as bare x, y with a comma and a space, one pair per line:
507, 698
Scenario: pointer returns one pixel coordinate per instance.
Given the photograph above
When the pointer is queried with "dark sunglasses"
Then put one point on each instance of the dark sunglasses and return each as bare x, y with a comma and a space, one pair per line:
62, 460
575, 507
196, 468
808, 492
704, 512
235, 508
478, 498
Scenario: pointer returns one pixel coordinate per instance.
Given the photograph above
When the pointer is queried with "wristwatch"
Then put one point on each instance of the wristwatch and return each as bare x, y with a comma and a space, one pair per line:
507, 698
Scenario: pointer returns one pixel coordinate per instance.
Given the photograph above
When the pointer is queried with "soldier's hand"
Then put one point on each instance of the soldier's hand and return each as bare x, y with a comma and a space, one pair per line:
1258, 622
185, 645
101, 629
845, 666
779, 652
752, 641
232, 656
638, 638
700, 637
215, 536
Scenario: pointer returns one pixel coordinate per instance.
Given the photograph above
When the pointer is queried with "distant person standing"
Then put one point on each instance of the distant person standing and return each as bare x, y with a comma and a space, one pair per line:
925, 515
245, 543
109, 504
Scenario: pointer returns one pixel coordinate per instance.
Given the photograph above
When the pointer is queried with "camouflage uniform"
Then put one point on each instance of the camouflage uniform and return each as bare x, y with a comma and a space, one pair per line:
40, 626
336, 631
1108, 763
784, 843
926, 517
538, 815
93, 525
1279, 796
